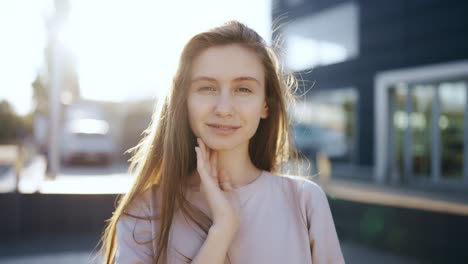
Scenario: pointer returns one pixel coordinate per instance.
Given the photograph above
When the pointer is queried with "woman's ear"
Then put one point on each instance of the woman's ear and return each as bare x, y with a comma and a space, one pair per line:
264, 113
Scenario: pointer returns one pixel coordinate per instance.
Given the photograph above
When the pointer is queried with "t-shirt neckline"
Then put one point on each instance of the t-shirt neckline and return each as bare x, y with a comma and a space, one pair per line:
251, 185
243, 190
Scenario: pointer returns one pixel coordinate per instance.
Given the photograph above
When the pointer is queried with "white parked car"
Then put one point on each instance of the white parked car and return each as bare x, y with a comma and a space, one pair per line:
87, 140
86, 137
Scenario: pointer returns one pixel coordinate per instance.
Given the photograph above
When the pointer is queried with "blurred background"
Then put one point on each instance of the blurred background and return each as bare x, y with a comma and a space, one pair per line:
380, 118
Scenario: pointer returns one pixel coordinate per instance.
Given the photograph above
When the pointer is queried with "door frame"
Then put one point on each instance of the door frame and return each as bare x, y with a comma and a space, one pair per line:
386, 80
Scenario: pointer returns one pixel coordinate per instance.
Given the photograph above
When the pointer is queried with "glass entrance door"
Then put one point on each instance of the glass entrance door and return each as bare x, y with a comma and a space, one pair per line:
452, 126
427, 131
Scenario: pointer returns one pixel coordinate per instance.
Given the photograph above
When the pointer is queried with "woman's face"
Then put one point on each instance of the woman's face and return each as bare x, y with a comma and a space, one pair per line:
226, 96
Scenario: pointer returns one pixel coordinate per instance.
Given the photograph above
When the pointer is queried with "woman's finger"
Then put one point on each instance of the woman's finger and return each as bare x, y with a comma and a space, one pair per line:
214, 165
202, 147
225, 181
200, 162
202, 169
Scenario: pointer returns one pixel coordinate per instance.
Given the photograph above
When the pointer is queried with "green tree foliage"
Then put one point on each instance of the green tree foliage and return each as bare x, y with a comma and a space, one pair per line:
13, 127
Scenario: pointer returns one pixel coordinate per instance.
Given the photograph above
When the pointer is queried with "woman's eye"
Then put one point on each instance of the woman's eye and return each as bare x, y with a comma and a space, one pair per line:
206, 89
244, 90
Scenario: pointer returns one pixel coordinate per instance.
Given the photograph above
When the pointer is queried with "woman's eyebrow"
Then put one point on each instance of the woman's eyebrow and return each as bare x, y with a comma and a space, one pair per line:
203, 78
247, 78
238, 79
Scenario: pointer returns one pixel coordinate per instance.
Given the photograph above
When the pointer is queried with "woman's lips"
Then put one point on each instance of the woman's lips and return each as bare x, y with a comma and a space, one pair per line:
223, 129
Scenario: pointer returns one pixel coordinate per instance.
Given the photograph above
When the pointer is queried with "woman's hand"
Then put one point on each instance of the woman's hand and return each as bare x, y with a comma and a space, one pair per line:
216, 186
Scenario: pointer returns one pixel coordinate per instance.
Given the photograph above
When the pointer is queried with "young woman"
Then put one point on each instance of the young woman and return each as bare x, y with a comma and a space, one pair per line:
207, 187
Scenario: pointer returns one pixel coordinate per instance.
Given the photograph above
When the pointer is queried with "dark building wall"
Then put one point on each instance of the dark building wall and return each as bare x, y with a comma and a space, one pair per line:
25, 216
392, 35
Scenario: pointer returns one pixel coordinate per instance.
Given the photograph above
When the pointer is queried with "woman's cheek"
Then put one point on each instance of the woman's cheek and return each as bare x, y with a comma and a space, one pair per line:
193, 124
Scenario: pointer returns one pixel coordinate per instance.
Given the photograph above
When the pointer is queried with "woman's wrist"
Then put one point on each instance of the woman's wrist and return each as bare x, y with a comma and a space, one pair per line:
226, 231
226, 223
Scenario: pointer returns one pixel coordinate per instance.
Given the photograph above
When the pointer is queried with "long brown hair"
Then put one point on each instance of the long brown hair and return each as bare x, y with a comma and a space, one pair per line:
165, 157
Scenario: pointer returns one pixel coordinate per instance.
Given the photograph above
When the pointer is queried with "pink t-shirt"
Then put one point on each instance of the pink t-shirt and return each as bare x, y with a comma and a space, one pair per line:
283, 220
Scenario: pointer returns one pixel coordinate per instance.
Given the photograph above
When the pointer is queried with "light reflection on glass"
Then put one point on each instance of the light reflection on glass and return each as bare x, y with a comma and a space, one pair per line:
451, 122
421, 123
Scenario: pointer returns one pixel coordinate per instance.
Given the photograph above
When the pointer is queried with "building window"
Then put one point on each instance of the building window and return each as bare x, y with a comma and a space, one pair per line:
415, 119
451, 125
421, 115
327, 37
326, 123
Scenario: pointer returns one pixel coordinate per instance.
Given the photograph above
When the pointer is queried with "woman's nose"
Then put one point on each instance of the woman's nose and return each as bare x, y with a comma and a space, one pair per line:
224, 105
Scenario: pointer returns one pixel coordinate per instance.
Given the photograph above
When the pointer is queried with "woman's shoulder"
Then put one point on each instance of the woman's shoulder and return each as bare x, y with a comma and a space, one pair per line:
302, 185
301, 182
144, 204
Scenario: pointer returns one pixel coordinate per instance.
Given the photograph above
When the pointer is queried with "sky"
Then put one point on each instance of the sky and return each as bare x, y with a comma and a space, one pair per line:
125, 49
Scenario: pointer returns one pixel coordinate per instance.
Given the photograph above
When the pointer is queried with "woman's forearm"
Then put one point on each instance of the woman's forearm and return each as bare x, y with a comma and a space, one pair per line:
215, 248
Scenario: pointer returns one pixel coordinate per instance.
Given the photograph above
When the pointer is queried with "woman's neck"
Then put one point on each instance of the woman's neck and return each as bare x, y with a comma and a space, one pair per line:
238, 166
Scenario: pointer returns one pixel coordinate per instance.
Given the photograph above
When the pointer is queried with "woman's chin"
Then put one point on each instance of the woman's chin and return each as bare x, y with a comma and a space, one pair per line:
220, 145
217, 147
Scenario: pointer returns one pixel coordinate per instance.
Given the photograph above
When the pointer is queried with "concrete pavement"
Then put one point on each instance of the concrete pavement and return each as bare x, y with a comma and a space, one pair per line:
81, 250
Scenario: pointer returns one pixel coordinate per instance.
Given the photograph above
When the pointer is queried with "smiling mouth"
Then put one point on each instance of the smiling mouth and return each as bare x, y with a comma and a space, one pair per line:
224, 127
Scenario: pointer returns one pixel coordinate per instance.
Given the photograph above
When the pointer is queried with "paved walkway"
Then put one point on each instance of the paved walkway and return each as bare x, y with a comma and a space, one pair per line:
80, 250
